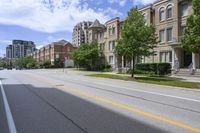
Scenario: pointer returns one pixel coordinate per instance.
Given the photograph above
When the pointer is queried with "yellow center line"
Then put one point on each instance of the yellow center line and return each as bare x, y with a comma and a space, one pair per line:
44, 80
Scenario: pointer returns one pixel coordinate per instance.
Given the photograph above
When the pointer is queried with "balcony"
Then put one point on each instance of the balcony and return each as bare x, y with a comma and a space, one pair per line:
176, 41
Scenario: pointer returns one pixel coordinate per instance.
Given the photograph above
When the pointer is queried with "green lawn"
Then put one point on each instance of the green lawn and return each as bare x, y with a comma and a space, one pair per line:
151, 80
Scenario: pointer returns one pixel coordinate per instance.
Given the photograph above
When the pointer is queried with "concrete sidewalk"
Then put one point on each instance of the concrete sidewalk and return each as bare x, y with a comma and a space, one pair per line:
83, 73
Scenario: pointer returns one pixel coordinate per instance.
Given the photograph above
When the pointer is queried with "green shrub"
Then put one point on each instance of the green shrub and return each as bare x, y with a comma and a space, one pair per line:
164, 68
156, 68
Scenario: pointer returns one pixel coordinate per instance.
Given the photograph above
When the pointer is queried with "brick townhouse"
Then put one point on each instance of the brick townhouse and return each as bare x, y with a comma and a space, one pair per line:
55, 51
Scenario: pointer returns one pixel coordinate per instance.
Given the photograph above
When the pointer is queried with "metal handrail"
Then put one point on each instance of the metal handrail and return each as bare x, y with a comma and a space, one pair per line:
190, 67
176, 66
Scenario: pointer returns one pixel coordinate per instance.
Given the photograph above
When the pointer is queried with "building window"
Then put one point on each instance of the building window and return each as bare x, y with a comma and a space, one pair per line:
111, 60
162, 14
95, 36
169, 34
57, 56
185, 9
111, 45
169, 12
101, 46
166, 56
68, 49
113, 30
161, 36
90, 36
110, 31
101, 35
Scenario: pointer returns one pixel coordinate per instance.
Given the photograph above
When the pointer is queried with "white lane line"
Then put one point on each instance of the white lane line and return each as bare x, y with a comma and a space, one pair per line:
11, 124
154, 93
128, 88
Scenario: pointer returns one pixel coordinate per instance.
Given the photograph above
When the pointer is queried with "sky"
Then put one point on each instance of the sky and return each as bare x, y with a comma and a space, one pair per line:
45, 21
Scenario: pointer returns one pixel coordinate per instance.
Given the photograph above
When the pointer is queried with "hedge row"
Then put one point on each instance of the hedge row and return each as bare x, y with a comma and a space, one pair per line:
157, 68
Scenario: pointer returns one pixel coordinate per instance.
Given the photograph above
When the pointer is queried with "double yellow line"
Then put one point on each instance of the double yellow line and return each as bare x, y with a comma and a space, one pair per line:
88, 95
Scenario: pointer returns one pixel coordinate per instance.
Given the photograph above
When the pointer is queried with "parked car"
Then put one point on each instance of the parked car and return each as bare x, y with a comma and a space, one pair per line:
1, 68
9, 68
18, 68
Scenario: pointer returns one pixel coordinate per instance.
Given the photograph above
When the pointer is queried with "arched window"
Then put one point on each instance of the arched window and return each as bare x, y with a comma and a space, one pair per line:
169, 11
162, 13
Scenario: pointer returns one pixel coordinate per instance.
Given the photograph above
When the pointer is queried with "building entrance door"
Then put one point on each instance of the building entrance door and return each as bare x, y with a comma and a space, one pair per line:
187, 59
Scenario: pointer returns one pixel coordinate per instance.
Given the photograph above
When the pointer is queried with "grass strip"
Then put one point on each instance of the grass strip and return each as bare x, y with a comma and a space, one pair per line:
151, 80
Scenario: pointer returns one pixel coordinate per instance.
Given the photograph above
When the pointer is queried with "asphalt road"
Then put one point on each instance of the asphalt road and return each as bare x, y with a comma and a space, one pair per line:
52, 101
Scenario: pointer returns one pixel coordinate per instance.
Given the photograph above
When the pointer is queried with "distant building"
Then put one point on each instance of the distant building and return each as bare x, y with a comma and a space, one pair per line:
80, 33
60, 50
19, 48
9, 51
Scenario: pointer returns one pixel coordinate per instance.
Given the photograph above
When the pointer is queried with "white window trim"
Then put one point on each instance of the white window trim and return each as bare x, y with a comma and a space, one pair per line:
187, 9
168, 7
167, 35
164, 11
165, 56
111, 62
159, 9
163, 36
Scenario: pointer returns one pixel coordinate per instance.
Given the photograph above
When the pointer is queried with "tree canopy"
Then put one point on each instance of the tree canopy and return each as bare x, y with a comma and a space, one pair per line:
87, 55
46, 64
26, 62
137, 38
191, 36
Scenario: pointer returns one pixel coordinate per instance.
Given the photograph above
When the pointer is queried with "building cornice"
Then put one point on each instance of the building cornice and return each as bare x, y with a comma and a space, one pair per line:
112, 20
159, 2
145, 8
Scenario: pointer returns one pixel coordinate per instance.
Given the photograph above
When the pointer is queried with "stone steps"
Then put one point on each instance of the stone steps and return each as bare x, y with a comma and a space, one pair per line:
187, 72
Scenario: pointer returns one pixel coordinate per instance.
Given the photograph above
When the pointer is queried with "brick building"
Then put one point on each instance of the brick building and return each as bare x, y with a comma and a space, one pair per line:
55, 51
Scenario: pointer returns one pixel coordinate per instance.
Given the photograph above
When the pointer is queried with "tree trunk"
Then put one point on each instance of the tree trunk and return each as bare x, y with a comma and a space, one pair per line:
133, 67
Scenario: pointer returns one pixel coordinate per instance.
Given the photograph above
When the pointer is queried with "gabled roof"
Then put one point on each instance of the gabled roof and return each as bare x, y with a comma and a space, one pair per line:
61, 42
97, 24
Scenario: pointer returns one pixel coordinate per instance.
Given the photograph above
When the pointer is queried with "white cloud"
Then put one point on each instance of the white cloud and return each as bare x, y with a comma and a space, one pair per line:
5, 42
39, 46
144, 2
49, 40
110, 11
121, 2
48, 15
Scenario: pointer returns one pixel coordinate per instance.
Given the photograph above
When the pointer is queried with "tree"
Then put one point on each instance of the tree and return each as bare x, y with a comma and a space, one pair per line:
2, 64
58, 63
137, 39
46, 64
26, 62
87, 55
191, 37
